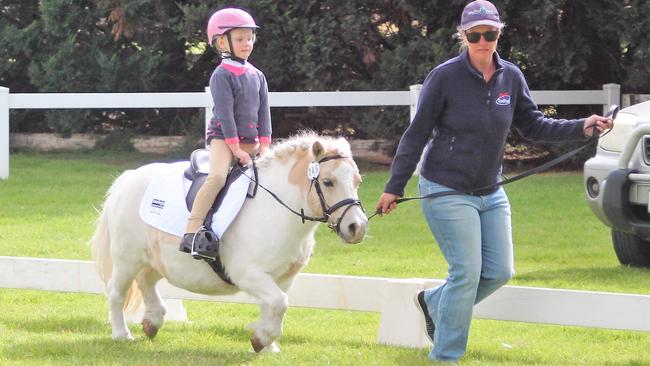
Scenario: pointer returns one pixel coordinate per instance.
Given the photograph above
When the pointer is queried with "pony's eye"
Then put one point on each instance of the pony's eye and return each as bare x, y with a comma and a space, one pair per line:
328, 183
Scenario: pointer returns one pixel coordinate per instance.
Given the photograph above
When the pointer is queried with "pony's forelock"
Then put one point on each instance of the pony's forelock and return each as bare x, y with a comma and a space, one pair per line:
342, 147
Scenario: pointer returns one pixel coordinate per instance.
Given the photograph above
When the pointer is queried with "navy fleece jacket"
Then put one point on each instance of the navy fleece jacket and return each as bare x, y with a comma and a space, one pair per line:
464, 122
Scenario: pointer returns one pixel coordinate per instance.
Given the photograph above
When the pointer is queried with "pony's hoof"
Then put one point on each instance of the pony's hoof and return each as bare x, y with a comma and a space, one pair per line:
149, 328
271, 348
123, 337
257, 344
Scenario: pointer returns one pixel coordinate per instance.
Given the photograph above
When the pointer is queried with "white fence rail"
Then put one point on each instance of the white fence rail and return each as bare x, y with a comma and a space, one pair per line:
400, 324
610, 94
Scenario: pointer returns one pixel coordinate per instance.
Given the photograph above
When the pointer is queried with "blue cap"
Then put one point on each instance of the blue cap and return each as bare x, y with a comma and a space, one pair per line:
480, 12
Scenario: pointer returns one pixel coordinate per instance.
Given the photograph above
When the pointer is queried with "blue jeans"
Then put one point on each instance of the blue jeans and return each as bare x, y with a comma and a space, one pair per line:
475, 236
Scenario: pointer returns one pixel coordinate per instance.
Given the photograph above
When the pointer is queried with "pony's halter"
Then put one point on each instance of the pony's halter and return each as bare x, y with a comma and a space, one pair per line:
313, 173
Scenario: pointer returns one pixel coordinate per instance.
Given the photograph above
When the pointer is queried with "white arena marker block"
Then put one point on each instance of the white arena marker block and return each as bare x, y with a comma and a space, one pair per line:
175, 312
401, 322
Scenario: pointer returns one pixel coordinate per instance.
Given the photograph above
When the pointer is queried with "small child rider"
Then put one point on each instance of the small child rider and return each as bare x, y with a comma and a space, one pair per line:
241, 123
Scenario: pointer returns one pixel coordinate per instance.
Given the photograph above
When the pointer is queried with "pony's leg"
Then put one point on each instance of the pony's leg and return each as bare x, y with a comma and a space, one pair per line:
284, 285
271, 348
119, 284
155, 309
273, 306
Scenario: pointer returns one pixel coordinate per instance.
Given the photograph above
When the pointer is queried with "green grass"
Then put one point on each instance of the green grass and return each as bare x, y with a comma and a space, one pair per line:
47, 209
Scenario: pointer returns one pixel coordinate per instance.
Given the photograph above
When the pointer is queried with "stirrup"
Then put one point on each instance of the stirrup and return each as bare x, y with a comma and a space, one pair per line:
205, 244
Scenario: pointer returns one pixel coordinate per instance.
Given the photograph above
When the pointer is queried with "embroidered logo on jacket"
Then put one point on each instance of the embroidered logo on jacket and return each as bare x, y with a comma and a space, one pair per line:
503, 99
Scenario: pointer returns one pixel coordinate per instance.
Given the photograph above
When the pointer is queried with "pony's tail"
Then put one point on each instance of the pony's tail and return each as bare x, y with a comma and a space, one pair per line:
101, 252
101, 248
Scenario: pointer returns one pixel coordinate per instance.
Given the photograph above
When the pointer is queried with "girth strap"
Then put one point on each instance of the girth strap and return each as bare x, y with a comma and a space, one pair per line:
220, 270
216, 265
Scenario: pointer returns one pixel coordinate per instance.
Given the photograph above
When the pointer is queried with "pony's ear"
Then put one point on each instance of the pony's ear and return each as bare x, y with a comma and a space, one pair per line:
318, 150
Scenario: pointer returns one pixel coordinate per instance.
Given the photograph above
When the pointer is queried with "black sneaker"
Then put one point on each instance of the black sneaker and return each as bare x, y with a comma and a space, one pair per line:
186, 243
422, 306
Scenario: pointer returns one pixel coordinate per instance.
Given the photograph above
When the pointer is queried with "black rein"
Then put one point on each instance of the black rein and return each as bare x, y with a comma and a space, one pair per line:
327, 211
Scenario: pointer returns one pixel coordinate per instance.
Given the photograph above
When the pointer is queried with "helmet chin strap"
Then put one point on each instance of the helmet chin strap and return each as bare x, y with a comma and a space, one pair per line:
231, 55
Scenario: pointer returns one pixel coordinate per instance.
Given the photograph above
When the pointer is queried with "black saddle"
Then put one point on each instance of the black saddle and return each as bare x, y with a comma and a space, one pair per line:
197, 173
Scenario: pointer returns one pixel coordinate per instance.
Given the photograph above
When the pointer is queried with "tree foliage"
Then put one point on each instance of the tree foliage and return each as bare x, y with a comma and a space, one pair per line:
156, 45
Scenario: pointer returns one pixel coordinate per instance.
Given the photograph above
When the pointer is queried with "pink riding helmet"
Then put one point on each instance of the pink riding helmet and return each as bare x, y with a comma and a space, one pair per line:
227, 19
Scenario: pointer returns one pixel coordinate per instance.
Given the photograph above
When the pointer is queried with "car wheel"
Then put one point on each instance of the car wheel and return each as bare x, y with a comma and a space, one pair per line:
630, 249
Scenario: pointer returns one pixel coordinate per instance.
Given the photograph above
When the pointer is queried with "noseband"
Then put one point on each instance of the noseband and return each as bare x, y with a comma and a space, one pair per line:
314, 173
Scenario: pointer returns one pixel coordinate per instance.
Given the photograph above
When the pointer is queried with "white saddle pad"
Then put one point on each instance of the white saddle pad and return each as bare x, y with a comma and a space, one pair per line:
163, 204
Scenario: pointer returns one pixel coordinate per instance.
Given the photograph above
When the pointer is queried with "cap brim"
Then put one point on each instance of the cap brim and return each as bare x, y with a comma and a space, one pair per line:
475, 23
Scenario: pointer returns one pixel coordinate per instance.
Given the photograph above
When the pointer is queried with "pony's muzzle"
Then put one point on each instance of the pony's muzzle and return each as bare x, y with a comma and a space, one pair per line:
357, 232
354, 231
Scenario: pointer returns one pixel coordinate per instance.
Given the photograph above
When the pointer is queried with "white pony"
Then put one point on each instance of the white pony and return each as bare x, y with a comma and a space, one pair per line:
262, 251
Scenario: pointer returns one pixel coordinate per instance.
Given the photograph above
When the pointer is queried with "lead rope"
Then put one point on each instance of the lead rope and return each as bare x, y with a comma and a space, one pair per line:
612, 112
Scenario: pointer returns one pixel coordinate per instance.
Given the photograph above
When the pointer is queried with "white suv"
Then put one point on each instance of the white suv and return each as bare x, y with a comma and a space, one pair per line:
617, 182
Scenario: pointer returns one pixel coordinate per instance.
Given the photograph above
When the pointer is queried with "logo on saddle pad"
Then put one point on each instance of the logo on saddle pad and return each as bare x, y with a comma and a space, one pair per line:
157, 206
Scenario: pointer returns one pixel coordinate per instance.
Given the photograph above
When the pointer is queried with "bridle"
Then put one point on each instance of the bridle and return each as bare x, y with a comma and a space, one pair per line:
313, 173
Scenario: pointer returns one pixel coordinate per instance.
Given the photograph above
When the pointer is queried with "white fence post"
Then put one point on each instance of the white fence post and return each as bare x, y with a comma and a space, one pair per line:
208, 114
415, 96
4, 132
612, 95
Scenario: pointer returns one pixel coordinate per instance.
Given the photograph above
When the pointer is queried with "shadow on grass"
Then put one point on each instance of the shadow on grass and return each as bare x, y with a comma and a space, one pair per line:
106, 351
240, 335
473, 357
57, 325
497, 356
87, 340
610, 278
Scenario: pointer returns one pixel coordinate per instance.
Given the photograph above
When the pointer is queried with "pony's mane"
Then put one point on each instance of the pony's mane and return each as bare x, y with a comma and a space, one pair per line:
301, 143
